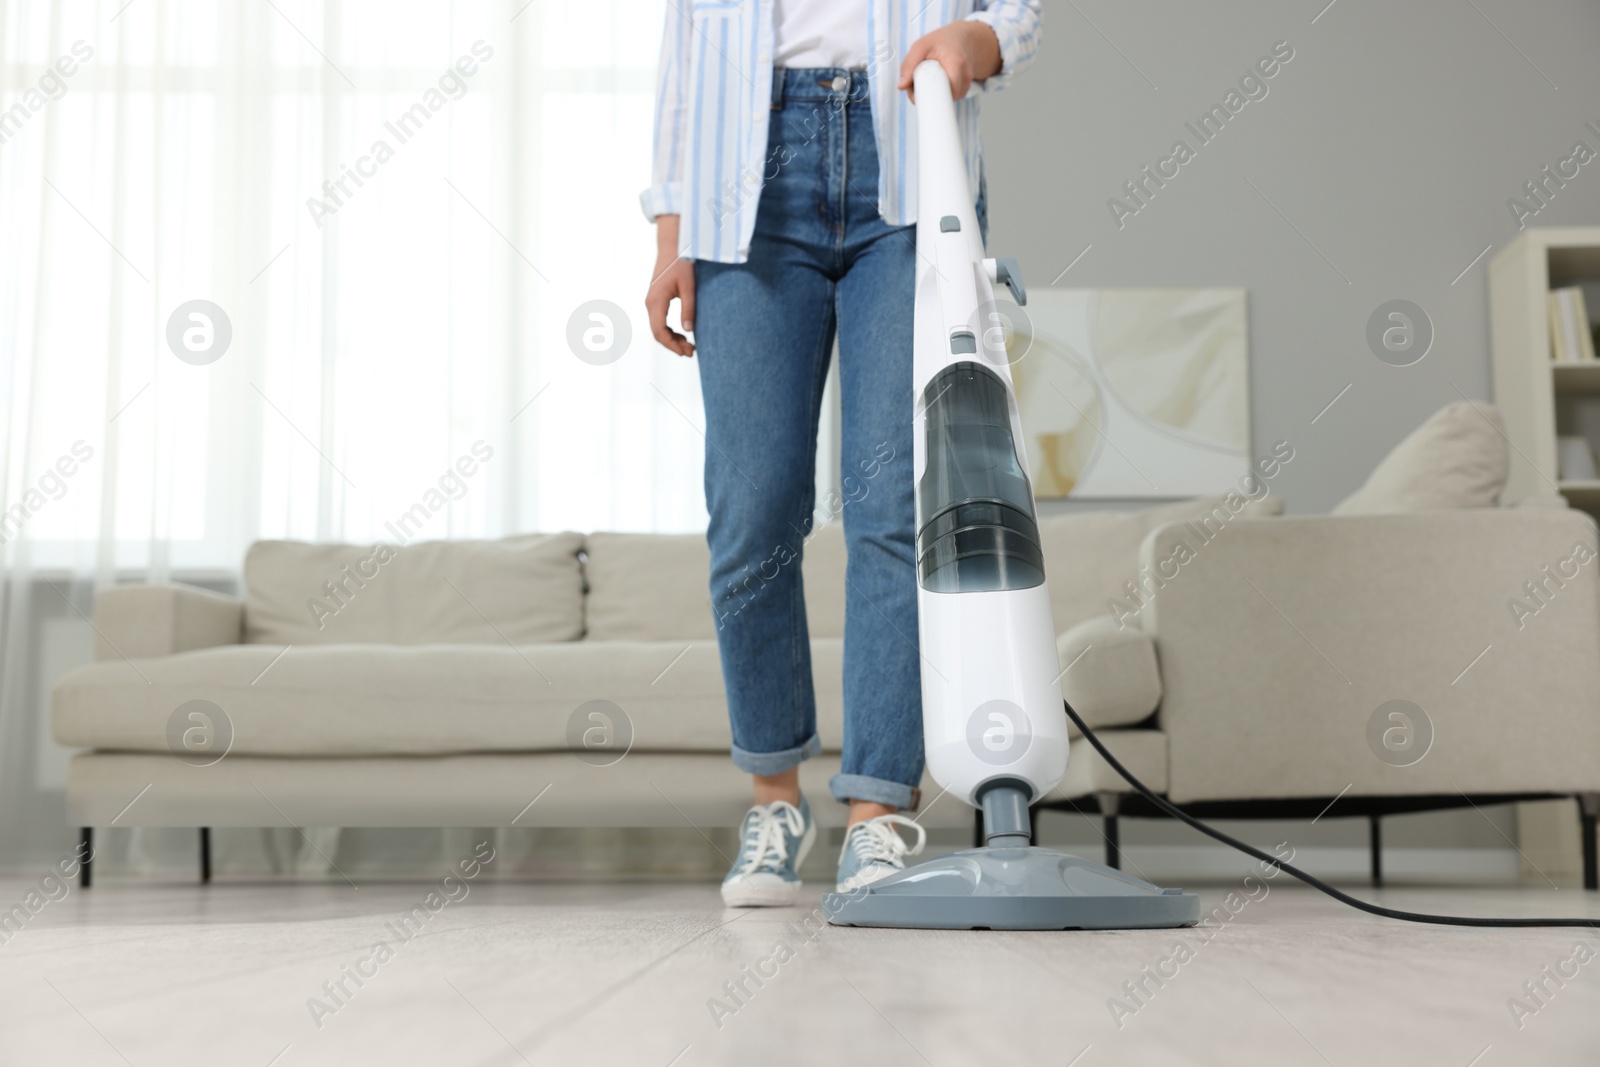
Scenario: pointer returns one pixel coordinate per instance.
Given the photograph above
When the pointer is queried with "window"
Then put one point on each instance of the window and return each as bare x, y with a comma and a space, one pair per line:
397, 208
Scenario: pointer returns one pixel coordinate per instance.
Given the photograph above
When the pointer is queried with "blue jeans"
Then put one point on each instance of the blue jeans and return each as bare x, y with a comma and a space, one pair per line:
822, 262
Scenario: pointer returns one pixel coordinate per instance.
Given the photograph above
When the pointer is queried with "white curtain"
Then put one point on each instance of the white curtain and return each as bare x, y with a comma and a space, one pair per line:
397, 208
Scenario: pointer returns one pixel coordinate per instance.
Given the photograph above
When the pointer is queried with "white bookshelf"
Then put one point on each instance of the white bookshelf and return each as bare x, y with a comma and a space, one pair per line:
1539, 398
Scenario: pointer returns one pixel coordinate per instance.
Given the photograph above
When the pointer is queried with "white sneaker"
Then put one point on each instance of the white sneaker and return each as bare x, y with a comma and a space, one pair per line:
773, 844
873, 850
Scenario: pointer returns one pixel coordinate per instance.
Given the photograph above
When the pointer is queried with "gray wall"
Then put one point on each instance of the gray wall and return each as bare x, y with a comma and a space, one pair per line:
1391, 141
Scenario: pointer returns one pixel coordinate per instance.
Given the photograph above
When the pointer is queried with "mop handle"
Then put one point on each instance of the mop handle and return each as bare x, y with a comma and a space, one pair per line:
945, 213
942, 189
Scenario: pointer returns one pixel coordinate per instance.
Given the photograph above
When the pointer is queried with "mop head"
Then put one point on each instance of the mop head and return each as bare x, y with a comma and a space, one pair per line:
1013, 889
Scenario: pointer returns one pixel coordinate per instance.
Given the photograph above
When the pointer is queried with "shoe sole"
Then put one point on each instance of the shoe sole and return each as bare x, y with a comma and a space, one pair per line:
771, 896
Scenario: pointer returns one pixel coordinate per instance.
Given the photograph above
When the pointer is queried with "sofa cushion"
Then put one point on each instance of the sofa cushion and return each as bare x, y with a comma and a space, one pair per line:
520, 590
1457, 459
375, 700
647, 587
1089, 556
655, 587
1108, 673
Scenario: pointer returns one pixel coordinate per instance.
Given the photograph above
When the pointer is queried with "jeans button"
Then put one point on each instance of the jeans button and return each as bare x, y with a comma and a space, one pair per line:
841, 83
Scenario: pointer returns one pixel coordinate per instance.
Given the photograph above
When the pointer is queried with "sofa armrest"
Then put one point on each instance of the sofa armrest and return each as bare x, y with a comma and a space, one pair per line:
1108, 673
158, 620
1281, 641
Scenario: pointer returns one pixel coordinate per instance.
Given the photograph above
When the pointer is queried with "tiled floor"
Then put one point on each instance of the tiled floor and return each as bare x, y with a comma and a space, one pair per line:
640, 974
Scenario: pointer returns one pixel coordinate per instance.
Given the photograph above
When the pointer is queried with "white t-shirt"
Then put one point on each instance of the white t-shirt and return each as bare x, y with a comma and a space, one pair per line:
820, 33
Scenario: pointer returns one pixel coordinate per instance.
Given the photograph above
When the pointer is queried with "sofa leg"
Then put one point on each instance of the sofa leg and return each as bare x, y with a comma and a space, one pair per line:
1588, 813
1113, 834
86, 848
1375, 840
205, 855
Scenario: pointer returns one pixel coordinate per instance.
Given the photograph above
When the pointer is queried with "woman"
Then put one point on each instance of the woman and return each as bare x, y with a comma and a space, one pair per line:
784, 198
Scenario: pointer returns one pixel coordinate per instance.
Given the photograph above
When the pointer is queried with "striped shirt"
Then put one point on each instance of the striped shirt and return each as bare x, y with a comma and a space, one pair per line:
713, 100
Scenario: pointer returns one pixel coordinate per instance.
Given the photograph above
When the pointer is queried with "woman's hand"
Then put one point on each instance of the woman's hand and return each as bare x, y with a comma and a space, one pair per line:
967, 49
672, 278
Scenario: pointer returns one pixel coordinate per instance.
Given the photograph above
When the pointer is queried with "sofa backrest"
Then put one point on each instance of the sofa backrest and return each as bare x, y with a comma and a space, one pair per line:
533, 588
1090, 556
656, 587
524, 589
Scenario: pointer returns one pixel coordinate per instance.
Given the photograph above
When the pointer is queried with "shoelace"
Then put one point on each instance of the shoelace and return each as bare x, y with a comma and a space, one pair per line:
875, 840
768, 826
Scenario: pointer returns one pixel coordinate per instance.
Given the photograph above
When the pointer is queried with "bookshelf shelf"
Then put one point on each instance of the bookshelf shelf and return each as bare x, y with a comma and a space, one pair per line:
1537, 397
1584, 495
1576, 377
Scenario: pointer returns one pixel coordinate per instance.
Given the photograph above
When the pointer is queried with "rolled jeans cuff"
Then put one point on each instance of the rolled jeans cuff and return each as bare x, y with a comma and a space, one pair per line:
848, 787
775, 762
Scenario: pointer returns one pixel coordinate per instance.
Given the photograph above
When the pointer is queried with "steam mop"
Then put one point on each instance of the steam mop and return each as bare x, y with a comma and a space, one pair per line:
992, 711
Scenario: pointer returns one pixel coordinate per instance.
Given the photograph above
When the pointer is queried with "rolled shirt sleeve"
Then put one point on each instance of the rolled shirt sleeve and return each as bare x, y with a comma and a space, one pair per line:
1018, 25
665, 193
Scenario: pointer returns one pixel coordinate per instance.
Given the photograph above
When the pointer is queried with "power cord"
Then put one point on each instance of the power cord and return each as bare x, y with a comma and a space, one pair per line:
1309, 879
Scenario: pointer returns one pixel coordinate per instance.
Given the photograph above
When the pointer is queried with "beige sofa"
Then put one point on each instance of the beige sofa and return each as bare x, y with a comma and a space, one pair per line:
452, 683
1228, 658
1419, 648
1281, 643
